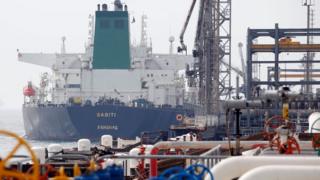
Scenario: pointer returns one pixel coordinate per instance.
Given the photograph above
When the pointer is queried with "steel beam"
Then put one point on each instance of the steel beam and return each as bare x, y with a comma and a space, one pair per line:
277, 48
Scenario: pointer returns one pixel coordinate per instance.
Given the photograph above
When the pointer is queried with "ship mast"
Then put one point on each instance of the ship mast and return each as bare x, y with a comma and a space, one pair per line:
144, 36
63, 46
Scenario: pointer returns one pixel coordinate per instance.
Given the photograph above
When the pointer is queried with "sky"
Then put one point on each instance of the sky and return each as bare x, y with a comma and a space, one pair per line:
38, 25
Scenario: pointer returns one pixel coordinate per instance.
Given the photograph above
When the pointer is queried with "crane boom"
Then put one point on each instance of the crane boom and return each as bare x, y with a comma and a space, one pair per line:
243, 64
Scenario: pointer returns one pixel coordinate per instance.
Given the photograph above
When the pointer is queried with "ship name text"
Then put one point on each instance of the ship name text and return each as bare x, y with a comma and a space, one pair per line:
107, 127
106, 115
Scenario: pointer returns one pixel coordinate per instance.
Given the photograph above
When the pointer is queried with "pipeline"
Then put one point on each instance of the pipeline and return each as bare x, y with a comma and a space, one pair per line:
235, 167
283, 173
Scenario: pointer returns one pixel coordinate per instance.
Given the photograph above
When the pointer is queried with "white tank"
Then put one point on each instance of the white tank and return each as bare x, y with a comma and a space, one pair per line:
84, 145
40, 153
314, 122
54, 149
106, 140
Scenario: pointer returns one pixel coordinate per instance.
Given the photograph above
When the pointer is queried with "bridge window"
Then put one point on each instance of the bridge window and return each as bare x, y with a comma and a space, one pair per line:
104, 23
119, 24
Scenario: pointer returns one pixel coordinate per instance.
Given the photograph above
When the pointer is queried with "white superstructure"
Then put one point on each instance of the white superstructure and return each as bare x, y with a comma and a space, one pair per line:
153, 77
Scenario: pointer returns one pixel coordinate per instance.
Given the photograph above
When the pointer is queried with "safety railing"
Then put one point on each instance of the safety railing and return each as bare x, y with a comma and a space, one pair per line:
208, 159
209, 162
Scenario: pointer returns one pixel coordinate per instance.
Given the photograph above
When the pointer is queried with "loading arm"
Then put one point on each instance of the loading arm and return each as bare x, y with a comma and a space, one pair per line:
183, 47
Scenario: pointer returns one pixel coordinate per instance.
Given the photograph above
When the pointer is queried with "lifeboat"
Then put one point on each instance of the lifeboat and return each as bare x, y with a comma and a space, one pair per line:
28, 90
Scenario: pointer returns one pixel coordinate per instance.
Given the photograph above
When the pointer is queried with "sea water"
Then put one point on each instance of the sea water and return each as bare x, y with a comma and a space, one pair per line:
11, 120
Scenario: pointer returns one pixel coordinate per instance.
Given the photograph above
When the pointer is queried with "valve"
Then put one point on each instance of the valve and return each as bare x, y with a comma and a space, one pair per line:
281, 134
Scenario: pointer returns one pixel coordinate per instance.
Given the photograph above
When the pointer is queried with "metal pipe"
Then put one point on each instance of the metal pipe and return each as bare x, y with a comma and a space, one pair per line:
278, 94
162, 157
175, 145
235, 167
186, 145
283, 173
242, 104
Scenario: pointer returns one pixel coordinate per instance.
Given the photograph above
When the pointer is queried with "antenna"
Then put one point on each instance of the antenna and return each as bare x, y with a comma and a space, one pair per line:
63, 47
171, 40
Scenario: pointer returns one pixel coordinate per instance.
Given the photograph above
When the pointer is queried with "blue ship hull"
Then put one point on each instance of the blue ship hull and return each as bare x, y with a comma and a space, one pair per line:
74, 122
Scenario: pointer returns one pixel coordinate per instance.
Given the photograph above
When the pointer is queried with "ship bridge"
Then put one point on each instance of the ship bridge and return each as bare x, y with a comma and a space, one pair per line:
54, 60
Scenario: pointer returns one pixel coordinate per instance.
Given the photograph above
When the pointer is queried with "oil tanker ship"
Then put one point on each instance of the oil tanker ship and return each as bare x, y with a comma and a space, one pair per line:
112, 88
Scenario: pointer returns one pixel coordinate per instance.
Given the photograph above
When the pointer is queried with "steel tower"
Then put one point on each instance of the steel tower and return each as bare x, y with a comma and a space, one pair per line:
213, 54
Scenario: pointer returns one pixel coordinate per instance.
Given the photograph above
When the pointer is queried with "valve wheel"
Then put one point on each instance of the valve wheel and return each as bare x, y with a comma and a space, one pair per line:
4, 172
274, 141
199, 171
291, 146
